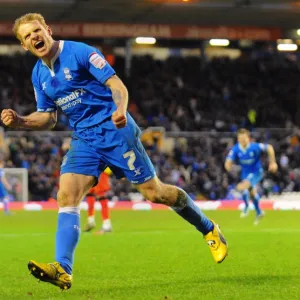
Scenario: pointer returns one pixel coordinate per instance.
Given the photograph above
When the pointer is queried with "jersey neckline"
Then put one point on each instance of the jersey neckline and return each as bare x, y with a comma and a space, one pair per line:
54, 58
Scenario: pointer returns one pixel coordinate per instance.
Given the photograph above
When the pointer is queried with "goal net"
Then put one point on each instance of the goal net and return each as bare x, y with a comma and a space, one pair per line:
18, 179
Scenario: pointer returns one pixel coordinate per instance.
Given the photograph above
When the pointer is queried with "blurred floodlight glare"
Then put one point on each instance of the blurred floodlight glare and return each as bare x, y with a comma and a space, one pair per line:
219, 42
287, 47
145, 40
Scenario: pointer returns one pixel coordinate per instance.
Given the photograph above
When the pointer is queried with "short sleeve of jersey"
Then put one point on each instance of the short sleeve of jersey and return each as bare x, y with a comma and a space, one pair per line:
43, 102
261, 147
92, 59
232, 155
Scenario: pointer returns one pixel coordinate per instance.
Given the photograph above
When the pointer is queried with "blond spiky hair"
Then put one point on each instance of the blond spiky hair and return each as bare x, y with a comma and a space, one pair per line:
243, 131
28, 18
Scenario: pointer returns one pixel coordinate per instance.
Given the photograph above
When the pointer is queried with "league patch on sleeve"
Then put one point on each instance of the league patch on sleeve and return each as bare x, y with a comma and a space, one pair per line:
97, 61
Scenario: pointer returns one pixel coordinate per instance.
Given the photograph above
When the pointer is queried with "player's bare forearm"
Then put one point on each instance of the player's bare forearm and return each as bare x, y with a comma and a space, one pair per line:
39, 121
6, 184
228, 165
120, 97
35, 121
119, 93
272, 159
271, 154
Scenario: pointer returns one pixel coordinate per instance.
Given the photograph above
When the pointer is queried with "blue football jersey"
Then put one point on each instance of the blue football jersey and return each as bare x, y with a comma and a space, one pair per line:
75, 84
249, 158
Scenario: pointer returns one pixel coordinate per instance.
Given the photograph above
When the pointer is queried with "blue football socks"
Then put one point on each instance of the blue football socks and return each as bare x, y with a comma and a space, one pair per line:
188, 210
245, 197
67, 236
255, 201
6, 205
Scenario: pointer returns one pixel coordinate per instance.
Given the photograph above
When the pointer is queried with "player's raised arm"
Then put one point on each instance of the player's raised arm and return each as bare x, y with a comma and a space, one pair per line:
272, 159
91, 59
5, 183
228, 165
120, 97
35, 121
229, 160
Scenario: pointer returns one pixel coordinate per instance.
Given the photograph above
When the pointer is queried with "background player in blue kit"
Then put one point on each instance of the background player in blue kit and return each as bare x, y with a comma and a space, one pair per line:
4, 186
76, 79
247, 155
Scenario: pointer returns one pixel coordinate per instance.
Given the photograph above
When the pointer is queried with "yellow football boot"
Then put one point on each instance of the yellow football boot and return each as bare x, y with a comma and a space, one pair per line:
52, 273
217, 243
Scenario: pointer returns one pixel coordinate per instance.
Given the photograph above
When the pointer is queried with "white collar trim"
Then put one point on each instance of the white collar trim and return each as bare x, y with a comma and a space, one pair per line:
54, 58
244, 149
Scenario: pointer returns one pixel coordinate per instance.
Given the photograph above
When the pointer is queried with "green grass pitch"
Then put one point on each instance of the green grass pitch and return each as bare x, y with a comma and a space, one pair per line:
155, 255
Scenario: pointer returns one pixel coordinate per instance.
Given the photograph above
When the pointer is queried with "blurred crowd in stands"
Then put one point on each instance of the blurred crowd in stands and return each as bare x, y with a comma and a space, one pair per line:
180, 94
195, 164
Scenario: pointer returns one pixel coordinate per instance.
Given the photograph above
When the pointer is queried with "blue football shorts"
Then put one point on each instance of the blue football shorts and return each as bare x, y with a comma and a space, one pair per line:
254, 178
95, 148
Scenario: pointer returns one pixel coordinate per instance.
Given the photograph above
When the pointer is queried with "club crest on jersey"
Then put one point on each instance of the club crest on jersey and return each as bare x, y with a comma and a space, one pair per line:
68, 75
97, 61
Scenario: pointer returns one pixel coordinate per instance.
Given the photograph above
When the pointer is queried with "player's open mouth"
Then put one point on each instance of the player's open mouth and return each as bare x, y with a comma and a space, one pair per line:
39, 45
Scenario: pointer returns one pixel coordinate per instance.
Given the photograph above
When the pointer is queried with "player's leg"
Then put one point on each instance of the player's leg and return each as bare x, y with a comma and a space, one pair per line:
256, 203
80, 167
176, 198
243, 188
156, 191
256, 178
91, 223
129, 158
73, 188
255, 199
245, 198
105, 214
5, 200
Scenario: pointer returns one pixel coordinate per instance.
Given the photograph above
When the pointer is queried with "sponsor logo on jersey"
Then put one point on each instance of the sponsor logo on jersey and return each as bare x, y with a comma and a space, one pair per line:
43, 86
70, 100
97, 61
247, 161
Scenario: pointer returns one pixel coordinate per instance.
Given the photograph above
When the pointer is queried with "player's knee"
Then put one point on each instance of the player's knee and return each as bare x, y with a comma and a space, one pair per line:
243, 186
240, 187
252, 193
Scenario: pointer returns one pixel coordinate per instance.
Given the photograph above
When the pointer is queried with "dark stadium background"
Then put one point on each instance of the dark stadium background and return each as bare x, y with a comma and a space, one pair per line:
194, 94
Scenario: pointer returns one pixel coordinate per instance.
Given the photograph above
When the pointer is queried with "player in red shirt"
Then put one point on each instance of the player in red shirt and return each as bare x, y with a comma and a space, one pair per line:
99, 192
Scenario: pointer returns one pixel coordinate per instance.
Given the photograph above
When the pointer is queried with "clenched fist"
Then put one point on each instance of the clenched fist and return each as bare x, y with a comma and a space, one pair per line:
119, 119
10, 118
273, 167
